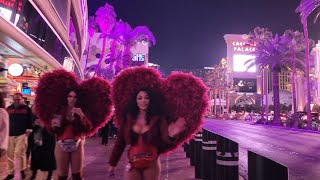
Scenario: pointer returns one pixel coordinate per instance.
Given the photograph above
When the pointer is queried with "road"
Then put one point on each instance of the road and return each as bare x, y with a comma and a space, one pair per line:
298, 149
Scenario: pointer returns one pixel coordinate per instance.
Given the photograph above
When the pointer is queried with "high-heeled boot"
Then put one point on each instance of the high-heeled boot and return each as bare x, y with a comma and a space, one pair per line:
62, 177
76, 176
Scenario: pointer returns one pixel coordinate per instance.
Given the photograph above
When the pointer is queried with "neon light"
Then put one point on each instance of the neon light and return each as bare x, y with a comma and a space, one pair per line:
138, 57
243, 46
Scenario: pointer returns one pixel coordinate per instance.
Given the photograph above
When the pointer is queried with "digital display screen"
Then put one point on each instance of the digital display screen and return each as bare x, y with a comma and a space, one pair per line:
239, 61
26, 91
245, 85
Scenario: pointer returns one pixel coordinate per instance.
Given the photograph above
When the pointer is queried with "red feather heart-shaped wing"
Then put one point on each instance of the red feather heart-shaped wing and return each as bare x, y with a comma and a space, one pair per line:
185, 96
52, 92
94, 100
128, 82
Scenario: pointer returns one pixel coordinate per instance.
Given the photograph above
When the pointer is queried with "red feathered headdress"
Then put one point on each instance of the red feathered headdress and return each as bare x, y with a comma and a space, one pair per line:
93, 97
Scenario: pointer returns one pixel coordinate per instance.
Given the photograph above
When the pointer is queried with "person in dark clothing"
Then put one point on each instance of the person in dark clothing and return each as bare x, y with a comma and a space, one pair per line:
105, 133
20, 126
113, 129
42, 145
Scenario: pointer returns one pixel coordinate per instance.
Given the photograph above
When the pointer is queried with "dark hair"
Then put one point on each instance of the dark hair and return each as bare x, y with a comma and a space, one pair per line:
19, 94
77, 94
156, 106
1, 101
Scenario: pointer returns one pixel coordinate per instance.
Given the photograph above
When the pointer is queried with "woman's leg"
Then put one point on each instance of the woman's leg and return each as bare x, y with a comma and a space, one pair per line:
49, 177
133, 174
34, 174
153, 171
77, 160
62, 160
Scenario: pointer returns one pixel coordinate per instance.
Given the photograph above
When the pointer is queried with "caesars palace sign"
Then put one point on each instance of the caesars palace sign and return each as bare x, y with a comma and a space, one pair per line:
243, 47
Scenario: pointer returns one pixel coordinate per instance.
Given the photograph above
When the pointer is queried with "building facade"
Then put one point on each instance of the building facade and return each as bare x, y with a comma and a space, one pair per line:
39, 36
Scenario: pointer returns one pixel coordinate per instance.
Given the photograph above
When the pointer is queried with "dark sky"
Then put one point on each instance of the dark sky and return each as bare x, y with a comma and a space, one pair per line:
189, 33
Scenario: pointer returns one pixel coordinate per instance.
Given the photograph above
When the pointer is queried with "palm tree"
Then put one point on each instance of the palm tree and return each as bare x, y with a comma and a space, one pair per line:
269, 54
295, 55
142, 34
106, 19
127, 37
305, 8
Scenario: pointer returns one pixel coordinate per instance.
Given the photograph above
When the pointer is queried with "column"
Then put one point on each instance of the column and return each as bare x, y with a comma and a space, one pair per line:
300, 91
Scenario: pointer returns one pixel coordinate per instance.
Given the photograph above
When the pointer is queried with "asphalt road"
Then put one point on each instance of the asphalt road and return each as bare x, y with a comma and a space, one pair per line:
299, 150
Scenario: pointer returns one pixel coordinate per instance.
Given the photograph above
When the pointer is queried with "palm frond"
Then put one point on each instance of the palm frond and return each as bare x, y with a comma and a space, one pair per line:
142, 33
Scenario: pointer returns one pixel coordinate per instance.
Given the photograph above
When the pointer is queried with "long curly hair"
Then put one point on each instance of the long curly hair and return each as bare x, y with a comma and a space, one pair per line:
128, 83
156, 105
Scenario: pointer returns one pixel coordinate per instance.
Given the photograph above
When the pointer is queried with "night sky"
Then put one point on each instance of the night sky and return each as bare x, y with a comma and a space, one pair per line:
189, 33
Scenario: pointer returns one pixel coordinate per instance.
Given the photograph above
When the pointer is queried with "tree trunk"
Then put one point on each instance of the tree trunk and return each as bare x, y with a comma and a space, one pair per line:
101, 55
266, 92
293, 86
262, 94
215, 103
227, 101
306, 39
219, 91
276, 97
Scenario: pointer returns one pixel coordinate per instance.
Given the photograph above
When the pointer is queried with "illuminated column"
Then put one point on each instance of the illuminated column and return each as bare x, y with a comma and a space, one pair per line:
316, 54
300, 91
4, 87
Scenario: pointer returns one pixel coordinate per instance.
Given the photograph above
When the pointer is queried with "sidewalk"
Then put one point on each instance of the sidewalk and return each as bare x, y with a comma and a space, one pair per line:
174, 166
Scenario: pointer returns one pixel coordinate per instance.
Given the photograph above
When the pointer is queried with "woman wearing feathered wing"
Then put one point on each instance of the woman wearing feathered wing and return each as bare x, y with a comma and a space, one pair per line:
155, 116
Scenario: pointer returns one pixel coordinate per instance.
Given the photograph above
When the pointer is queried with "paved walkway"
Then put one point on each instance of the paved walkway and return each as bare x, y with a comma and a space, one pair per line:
175, 166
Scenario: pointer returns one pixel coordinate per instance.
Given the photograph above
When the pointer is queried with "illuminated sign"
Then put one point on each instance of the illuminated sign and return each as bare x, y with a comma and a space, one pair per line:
26, 91
243, 46
245, 85
239, 61
10, 4
138, 57
15, 69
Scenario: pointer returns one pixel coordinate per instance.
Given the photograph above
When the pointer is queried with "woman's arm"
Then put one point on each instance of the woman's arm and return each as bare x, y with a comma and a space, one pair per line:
172, 134
82, 123
118, 147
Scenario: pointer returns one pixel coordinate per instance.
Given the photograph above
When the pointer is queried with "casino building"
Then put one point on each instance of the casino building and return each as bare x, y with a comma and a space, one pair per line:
247, 82
38, 36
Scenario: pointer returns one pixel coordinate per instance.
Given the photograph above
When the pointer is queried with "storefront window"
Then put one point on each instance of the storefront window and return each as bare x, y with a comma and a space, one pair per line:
61, 8
73, 37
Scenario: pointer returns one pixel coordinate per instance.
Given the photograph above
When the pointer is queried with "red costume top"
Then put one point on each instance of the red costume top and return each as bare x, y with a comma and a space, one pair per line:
157, 136
73, 129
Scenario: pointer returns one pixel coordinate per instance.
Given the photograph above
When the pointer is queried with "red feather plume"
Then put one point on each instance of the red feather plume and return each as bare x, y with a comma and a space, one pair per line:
186, 96
94, 100
51, 93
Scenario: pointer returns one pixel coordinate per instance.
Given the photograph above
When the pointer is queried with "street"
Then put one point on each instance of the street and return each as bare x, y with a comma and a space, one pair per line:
297, 149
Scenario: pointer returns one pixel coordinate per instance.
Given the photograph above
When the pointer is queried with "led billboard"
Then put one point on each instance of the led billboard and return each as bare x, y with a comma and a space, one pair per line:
245, 84
239, 61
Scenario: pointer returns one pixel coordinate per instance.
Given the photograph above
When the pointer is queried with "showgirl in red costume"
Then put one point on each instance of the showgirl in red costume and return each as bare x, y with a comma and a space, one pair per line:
155, 116
72, 111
